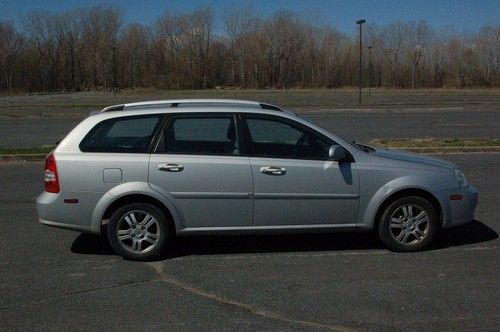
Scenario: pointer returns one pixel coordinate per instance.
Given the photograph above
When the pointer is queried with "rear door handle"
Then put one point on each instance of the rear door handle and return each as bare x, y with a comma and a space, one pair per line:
166, 167
271, 170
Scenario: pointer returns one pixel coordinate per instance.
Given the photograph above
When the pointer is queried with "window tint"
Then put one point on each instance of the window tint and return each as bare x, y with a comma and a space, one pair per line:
127, 134
273, 138
214, 135
264, 131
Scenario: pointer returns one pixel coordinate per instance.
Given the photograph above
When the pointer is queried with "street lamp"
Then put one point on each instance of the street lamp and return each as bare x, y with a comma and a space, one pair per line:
360, 22
370, 69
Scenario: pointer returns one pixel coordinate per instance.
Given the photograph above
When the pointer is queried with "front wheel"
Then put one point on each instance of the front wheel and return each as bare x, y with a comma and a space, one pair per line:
138, 231
408, 224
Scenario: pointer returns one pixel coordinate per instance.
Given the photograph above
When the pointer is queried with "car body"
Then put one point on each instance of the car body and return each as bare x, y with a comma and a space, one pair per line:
230, 166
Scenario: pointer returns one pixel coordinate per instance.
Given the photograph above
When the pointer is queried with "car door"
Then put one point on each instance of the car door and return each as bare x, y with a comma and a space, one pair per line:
198, 163
294, 182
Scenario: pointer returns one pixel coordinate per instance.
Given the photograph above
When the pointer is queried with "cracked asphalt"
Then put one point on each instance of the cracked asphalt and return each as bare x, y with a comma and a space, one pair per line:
53, 279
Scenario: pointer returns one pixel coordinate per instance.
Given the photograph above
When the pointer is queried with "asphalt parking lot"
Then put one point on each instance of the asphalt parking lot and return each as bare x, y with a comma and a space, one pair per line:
361, 126
56, 279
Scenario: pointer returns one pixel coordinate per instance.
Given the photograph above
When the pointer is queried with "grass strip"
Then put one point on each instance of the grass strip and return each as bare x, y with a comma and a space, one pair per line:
45, 149
436, 142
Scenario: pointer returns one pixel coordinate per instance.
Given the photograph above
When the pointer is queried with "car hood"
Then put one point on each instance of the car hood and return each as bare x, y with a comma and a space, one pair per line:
412, 157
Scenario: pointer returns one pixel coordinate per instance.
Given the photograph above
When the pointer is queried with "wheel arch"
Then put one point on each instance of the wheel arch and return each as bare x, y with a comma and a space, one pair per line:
404, 192
136, 198
141, 192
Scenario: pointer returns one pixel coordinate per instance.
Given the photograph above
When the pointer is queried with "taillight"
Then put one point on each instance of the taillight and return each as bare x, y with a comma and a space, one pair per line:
51, 178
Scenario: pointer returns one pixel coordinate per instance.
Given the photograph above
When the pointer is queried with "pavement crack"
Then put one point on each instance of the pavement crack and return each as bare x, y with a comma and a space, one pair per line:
74, 293
167, 278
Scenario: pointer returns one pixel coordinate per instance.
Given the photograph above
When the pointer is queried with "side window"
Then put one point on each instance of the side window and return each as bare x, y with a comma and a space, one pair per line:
206, 135
131, 134
276, 139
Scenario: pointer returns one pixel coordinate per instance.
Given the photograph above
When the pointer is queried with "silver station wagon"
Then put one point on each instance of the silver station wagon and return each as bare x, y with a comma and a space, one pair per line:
146, 172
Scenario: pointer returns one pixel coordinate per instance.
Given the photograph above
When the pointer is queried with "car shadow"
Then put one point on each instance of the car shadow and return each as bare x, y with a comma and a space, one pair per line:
272, 243
91, 244
475, 232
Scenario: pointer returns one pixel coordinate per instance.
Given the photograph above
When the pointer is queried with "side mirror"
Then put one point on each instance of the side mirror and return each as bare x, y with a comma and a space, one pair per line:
336, 153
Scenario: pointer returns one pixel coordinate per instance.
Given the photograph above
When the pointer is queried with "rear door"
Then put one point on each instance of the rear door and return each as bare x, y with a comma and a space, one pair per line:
294, 182
198, 162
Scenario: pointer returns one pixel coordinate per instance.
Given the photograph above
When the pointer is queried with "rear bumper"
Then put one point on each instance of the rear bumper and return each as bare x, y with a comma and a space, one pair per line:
52, 211
461, 211
71, 227
47, 206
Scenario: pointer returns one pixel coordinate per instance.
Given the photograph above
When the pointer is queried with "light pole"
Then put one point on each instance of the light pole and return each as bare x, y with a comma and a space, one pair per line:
370, 69
360, 22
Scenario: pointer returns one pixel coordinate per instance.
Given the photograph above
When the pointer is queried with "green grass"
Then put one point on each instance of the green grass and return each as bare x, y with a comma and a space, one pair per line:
24, 151
437, 142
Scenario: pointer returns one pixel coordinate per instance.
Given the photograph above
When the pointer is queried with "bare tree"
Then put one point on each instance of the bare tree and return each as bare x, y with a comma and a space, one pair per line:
239, 23
40, 27
418, 37
68, 29
89, 49
135, 42
168, 37
100, 31
488, 45
393, 38
10, 41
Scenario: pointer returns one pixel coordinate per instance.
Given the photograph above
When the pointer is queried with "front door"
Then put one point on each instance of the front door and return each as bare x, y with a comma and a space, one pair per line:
294, 182
198, 163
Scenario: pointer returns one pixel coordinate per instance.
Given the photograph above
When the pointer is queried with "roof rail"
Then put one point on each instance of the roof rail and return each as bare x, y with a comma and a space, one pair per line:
177, 102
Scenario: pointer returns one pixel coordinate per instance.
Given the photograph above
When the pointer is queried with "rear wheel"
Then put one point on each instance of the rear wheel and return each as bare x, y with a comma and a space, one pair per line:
408, 224
138, 231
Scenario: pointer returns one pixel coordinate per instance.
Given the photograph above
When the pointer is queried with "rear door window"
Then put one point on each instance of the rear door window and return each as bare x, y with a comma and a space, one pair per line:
131, 134
198, 134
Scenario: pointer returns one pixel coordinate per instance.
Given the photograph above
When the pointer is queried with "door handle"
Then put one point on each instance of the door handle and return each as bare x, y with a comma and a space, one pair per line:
271, 170
166, 167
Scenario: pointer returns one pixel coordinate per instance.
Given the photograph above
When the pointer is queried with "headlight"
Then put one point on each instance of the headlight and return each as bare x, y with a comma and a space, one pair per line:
462, 181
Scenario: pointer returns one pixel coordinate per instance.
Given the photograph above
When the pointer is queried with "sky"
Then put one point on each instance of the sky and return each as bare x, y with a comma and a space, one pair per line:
462, 15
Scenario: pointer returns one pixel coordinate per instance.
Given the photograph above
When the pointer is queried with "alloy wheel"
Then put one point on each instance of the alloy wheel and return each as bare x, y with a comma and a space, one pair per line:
409, 224
138, 231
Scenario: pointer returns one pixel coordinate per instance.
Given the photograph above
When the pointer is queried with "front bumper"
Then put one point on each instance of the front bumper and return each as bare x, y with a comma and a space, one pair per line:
459, 211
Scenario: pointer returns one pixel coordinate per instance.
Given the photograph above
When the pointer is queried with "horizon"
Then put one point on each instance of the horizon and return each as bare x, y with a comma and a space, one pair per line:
456, 16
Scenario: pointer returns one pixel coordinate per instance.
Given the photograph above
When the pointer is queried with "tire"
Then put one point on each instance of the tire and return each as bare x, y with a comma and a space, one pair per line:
408, 224
144, 232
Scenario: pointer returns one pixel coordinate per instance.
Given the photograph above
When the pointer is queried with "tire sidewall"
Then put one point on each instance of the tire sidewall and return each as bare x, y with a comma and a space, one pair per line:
163, 228
384, 224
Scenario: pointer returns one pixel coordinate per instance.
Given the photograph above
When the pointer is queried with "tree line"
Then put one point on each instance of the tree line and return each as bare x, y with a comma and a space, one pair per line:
92, 49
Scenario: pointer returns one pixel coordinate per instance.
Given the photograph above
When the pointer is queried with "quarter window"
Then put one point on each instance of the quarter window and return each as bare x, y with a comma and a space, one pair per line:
124, 134
273, 138
206, 135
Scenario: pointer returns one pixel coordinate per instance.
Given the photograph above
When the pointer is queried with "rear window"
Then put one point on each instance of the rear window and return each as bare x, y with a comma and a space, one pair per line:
131, 134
